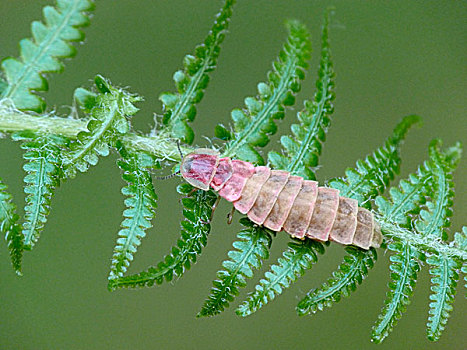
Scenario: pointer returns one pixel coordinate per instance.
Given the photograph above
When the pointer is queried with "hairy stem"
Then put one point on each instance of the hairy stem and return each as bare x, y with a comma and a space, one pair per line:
423, 243
161, 146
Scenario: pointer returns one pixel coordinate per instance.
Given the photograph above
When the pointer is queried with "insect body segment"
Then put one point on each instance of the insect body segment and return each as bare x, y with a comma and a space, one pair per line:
280, 201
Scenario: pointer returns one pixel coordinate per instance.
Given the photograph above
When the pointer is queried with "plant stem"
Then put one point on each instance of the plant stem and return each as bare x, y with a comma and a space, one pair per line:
161, 146
423, 243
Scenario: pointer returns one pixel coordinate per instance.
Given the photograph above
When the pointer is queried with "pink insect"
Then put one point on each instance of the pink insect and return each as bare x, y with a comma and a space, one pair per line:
280, 201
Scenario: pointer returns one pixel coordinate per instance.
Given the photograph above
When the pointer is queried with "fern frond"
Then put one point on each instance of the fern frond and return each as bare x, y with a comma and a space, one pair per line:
43, 173
343, 282
51, 41
299, 257
179, 108
10, 228
404, 268
253, 125
432, 223
371, 176
408, 198
141, 203
304, 148
435, 218
368, 179
195, 229
444, 283
251, 248
108, 119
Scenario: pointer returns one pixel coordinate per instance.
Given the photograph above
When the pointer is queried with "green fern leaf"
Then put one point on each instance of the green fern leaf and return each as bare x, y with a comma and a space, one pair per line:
51, 41
404, 269
304, 148
43, 173
432, 223
371, 176
253, 125
108, 119
435, 218
10, 228
195, 229
299, 257
408, 198
251, 248
368, 179
193, 79
141, 203
444, 284
343, 282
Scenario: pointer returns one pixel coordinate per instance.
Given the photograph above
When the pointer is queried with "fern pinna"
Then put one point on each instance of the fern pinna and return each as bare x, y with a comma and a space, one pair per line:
413, 219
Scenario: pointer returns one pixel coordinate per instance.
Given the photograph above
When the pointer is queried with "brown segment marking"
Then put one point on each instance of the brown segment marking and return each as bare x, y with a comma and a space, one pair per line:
232, 189
281, 209
302, 208
377, 238
251, 189
364, 232
268, 196
324, 214
345, 223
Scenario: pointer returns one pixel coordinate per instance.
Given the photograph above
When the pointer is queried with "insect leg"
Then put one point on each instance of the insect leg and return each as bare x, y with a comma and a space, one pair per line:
230, 216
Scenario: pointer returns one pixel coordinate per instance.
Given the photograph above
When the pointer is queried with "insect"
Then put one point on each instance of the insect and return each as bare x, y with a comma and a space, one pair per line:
281, 201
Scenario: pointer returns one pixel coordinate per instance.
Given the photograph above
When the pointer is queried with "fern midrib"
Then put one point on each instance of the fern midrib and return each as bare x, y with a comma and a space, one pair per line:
396, 209
315, 123
135, 221
95, 137
440, 204
28, 234
6, 209
324, 294
140, 278
235, 272
258, 120
43, 48
436, 318
266, 288
398, 293
186, 97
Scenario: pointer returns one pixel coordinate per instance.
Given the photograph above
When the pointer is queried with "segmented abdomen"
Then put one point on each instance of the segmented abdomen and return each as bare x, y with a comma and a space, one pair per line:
280, 201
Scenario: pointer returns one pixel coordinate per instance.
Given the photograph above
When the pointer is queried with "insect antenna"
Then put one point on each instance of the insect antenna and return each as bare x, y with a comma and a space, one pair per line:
166, 177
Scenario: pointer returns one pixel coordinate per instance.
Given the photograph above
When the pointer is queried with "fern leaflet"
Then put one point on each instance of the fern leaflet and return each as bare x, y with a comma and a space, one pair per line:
303, 150
405, 263
252, 126
10, 228
404, 269
51, 41
43, 173
371, 176
108, 119
444, 280
195, 229
193, 79
344, 281
141, 203
432, 223
299, 257
251, 249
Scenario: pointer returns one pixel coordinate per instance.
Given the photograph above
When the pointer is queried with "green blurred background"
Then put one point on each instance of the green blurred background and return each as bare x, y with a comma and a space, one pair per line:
391, 58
